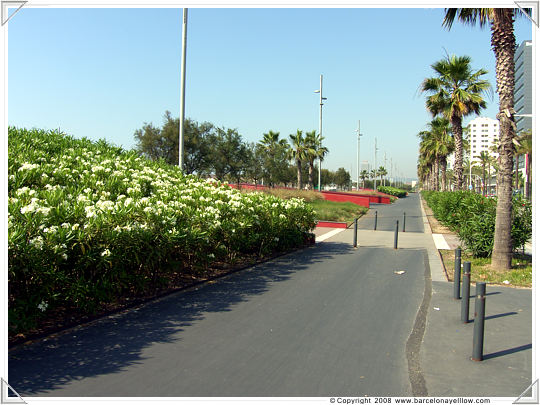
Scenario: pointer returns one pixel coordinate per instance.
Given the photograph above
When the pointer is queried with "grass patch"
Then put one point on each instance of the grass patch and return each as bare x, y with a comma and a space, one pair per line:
287, 194
337, 211
481, 270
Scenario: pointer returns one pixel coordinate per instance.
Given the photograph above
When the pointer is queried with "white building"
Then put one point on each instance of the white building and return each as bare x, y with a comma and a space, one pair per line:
483, 136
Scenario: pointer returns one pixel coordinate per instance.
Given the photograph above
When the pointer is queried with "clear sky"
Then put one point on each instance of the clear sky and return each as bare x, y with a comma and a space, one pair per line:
103, 72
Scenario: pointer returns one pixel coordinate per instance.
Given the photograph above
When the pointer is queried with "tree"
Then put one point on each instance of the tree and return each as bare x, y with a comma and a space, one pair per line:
381, 171
230, 155
455, 92
314, 150
524, 147
485, 160
327, 177
255, 164
364, 174
342, 178
162, 143
298, 152
503, 43
275, 159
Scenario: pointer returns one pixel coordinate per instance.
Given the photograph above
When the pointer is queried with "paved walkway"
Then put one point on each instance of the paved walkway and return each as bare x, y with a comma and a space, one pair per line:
447, 343
325, 321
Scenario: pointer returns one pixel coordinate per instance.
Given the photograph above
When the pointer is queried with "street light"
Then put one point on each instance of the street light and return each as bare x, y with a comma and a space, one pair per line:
182, 92
375, 167
321, 98
358, 158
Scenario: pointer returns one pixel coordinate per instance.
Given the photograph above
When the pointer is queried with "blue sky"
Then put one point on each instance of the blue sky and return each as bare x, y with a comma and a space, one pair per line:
102, 73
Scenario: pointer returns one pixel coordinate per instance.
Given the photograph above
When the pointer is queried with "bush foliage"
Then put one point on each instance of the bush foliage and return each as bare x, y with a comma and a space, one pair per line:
397, 192
89, 222
472, 217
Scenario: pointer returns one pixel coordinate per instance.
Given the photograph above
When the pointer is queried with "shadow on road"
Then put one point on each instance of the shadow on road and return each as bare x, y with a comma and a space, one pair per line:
112, 344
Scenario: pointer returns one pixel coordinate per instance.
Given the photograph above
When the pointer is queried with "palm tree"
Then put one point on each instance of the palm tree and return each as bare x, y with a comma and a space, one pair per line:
271, 144
382, 172
364, 174
298, 152
524, 147
485, 160
314, 150
456, 92
503, 43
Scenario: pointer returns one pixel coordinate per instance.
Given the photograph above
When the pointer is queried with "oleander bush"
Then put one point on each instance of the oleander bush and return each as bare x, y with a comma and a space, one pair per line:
397, 192
472, 217
89, 222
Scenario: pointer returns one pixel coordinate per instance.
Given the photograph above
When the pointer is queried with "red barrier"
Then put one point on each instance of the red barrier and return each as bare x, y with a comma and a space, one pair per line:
346, 197
331, 224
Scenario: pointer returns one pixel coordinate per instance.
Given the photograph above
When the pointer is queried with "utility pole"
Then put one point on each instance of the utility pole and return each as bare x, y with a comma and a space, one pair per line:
375, 167
384, 183
182, 92
321, 98
358, 158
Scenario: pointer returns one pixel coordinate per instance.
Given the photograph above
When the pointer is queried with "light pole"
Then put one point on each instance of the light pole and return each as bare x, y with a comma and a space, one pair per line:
321, 98
375, 167
182, 92
358, 159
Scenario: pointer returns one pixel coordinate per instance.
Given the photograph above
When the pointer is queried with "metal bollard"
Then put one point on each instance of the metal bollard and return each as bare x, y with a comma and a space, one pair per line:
396, 234
355, 236
466, 292
403, 222
375, 228
457, 273
479, 316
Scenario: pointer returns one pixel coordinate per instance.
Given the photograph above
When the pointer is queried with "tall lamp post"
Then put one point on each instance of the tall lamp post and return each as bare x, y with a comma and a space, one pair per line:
321, 98
375, 167
358, 158
182, 92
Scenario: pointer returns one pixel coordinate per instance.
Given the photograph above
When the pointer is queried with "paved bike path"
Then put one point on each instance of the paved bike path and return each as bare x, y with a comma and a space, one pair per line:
325, 321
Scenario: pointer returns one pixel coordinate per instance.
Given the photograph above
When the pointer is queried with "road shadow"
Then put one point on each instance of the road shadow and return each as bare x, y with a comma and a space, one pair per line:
114, 343
507, 351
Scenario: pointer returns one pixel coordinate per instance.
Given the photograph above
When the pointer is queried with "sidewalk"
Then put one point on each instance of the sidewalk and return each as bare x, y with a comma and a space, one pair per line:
447, 345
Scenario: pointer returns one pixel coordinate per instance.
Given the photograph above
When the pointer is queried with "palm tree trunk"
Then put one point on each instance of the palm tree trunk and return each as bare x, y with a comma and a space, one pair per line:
310, 172
503, 43
443, 173
436, 174
528, 165
458, 140
517, 173
299, 174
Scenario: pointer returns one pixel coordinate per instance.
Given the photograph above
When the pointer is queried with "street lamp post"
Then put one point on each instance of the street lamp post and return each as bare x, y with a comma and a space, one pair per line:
321, 98
375, 167
182, 92
358, 159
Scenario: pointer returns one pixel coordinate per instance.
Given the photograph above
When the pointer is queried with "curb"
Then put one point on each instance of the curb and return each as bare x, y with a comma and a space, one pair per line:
427, 229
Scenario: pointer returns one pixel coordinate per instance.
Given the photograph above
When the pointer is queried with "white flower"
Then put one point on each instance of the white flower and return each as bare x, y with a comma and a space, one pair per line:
37, 242
28, 166
106, 253
43, 306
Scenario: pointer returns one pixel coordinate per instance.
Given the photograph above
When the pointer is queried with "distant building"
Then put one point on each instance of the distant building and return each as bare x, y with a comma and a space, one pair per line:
483, 136
523, 92
523, 85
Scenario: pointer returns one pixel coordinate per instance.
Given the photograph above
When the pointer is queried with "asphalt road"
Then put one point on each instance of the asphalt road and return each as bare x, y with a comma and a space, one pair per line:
388, 214
325, 321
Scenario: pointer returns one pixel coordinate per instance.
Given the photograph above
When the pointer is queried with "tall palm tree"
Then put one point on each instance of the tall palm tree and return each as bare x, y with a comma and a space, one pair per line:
382, 172
364, 174
503, 43
485, 160
524, 147
298, 152
314, 150
271, 143
455, 92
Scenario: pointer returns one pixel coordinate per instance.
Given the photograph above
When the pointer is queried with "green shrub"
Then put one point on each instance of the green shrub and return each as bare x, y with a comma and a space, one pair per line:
89, 222
472, 217
392, 191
